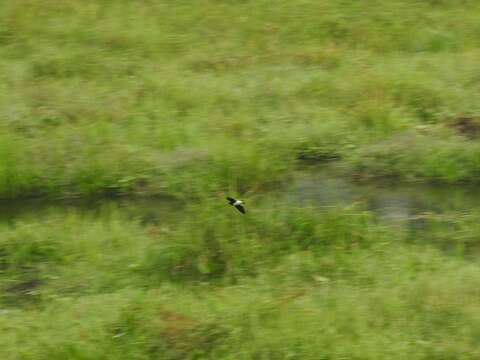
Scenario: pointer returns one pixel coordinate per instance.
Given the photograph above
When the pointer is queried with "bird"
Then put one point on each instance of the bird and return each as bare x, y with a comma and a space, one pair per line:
237, 203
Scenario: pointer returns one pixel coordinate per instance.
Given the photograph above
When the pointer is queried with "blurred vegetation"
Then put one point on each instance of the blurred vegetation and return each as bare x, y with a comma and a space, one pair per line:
198, 99
298, 284
171, 97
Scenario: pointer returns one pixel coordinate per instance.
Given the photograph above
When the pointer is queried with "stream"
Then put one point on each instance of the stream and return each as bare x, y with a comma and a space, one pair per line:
390, 202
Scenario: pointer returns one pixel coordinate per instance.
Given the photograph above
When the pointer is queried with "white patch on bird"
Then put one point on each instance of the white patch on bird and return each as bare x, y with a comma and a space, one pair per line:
238, 202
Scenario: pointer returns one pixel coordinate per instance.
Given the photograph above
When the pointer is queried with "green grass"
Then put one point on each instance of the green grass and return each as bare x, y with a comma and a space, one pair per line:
438, 157
197, 100
311, 285
103, 97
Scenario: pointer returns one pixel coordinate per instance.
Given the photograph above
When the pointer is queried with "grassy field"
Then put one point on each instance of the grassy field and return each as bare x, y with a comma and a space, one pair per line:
295, 284
117, 96
194, 100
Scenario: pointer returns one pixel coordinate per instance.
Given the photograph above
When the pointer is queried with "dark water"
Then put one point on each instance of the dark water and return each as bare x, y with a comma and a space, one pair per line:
391, 202
147, 210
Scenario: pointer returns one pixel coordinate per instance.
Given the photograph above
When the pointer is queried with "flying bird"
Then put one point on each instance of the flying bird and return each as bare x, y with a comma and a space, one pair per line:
237, 203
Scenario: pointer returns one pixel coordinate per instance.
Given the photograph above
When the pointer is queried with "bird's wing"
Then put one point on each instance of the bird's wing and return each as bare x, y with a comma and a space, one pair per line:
231, 200
240, 208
